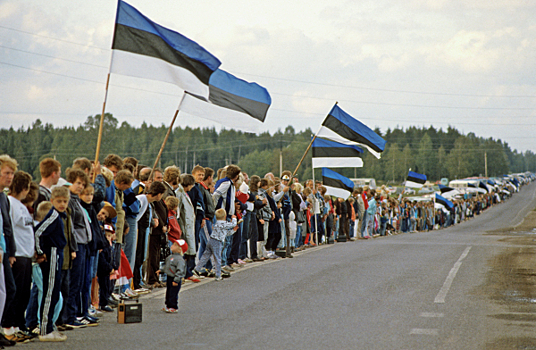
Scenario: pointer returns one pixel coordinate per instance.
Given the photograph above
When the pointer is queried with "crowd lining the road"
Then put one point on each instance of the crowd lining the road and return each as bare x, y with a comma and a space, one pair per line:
73, 248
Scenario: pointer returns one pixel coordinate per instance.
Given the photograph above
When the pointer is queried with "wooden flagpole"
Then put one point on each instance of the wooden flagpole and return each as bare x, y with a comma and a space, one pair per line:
99, 138
307, 150
167, 136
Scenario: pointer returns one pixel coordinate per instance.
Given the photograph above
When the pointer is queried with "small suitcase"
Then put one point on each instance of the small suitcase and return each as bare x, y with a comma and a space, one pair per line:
129, 311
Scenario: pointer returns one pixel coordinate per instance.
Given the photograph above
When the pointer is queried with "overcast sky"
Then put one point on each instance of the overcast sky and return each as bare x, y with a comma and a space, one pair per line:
469, 64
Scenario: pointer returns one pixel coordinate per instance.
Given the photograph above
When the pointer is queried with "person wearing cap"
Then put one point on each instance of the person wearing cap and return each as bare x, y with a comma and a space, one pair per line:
175, 269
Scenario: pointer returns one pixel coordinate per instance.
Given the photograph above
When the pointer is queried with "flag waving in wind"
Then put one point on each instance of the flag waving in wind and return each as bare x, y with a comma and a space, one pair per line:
415, 180
144, 49
442, 201
232, 102
341, 127
336, 184
333, 154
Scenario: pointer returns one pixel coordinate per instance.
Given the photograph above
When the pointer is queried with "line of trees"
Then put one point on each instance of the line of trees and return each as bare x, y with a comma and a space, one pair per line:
435, 152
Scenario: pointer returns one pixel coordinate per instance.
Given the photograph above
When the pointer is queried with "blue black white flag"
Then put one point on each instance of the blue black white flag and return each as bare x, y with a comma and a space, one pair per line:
232, 102
333, 154
443, 202
341, 127
415, 180
336, 184
144, 49
448, 192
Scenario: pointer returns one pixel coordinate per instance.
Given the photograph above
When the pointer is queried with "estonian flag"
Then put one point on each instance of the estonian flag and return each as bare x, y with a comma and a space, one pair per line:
336, 184
415, 180
443, 202
483, 186
144, 49
448, 191
333, 154
342, 127
233, 102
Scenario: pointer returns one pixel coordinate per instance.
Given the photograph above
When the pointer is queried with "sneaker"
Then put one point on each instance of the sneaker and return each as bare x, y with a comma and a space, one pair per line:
116, 296
236, 265
112, 302
107, 308
6, 342
194, 279
241, 262
94, 313
131, 293
256, 260
248, 260
141, 291
89, 318
61, 328
75, 324
165, 309
171, 310
196, 273
88, 322
218, 278
227, 268
54, 336
225, 274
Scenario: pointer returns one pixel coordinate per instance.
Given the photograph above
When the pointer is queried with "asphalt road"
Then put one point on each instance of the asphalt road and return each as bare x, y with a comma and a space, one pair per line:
409, 291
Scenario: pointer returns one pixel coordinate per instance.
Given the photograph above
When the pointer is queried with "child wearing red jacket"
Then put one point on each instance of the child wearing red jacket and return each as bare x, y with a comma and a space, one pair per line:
173, 229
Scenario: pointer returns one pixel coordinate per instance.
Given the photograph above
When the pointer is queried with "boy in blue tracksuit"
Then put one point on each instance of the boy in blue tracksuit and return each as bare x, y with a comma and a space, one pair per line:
49, 243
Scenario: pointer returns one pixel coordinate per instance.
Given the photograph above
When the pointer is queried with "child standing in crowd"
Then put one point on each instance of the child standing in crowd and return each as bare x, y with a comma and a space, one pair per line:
175, 269
49, 244
173, 229
221, 229
105, 269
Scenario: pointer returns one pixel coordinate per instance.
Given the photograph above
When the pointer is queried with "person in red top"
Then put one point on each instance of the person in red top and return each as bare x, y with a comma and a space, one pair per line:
173, 229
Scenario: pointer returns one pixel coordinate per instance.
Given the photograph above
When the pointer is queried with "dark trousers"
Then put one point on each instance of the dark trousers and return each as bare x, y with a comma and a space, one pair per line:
235, 247
172, 294
243, 251
105, 289
140, 256
11, 288
253, 236
273, 240
14, 311
64, 288
329, 226
153, 260
190, 265
198, 221
51, 269
78, 274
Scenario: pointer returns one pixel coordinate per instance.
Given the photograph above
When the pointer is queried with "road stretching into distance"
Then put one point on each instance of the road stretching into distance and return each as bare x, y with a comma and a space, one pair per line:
423, 290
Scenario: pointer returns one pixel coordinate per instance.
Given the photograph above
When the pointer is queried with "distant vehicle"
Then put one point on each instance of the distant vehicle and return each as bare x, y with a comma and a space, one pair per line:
425, 190
463, 183
409, 191
370, 182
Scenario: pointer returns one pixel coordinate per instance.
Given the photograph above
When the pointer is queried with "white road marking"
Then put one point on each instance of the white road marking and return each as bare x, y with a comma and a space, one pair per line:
440, 298
421, 331
432, 314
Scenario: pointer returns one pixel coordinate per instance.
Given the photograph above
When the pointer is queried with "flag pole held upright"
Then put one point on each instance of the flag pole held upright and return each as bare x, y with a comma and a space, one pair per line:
307, 150
167, 136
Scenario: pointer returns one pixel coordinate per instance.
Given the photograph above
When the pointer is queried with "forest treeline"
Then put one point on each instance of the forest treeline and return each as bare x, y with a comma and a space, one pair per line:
435, 152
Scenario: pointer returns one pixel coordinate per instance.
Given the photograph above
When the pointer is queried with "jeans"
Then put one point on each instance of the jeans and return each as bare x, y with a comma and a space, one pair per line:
214, 248
253, 236
383, 226
298, 239
130, 241
204, 236
364, 225
14, 311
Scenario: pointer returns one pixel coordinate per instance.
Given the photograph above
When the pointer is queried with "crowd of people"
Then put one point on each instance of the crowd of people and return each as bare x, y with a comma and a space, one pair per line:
73, 247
